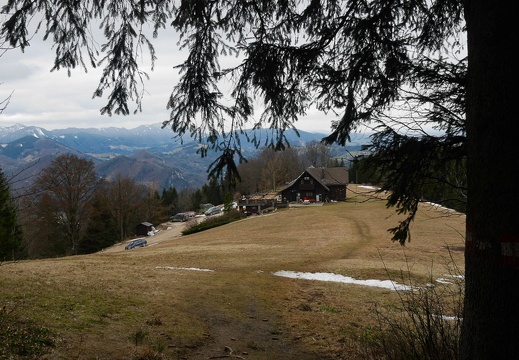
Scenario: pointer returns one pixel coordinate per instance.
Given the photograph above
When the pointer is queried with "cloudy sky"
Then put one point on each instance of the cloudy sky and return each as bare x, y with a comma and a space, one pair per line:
53, 100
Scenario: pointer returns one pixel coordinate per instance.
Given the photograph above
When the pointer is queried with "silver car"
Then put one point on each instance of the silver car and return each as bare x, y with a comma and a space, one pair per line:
213, 210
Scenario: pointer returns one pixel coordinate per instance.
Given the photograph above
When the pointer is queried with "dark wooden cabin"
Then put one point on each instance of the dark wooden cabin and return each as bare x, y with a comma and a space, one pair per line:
143, 228
317, 185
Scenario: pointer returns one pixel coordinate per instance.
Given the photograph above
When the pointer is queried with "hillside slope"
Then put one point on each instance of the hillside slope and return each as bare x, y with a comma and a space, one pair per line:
214, 294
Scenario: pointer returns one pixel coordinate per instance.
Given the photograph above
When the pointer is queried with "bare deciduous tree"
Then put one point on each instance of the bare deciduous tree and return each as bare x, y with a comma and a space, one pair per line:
317, 154
126, 197
69, 184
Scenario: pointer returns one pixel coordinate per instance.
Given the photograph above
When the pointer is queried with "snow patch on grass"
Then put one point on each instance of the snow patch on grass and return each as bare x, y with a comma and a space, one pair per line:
182, 268
386, 284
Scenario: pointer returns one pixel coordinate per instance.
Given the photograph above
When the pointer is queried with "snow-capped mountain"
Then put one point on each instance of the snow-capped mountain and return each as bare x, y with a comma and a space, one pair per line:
147, 153
15, 132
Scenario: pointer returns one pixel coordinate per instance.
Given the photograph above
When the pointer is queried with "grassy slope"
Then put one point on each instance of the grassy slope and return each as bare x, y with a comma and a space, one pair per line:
98, 304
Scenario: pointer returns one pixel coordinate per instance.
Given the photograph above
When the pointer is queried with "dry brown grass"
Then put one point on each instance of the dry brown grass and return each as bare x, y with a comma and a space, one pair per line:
98, 305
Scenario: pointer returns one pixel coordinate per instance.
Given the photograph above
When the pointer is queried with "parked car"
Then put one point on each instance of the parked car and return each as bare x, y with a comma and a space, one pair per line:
180, 217
136, 243
213, 210
190, 214
205, 207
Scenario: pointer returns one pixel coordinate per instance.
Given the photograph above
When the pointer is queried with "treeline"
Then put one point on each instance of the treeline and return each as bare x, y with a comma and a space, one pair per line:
446, 186
68, 210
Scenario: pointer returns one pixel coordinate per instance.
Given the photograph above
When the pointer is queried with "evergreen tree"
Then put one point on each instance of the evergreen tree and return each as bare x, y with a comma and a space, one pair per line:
11, 246
212, 192
169, 199
227, 202
102, 231
196, 199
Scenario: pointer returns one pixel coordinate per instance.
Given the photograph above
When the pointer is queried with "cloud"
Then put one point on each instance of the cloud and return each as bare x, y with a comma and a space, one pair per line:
54, 100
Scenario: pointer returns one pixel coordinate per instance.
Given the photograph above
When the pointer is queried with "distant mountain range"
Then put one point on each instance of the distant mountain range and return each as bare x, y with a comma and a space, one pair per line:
148, 153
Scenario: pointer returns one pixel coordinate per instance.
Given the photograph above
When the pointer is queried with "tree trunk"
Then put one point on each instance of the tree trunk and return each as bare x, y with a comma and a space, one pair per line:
491, 311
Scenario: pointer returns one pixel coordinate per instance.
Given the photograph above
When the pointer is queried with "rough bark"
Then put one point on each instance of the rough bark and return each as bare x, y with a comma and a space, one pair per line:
492, 244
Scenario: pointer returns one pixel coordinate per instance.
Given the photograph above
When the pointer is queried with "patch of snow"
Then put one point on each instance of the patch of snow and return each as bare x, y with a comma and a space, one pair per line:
445, 279
369, 187
448, 318
438, 206
182, 268
386, 284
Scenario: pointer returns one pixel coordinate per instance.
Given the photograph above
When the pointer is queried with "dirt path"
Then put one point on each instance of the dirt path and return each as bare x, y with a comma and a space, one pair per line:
166, 232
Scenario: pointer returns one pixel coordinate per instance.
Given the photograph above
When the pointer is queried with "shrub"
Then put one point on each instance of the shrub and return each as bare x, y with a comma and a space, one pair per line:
425, 325
214, 221
138, 337
21, 338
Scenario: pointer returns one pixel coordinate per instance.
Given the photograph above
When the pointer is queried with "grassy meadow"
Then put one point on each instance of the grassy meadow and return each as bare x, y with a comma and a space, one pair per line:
212, 294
